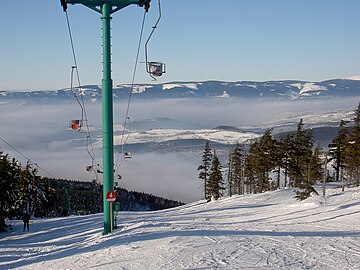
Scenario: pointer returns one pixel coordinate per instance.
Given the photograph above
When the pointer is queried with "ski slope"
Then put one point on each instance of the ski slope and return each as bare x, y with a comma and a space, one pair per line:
262, 231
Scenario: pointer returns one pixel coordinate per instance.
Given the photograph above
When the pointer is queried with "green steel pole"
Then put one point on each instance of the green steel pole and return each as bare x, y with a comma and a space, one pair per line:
106, 8
107, 117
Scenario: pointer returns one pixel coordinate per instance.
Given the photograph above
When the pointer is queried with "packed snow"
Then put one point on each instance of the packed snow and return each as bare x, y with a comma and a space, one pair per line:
271, 230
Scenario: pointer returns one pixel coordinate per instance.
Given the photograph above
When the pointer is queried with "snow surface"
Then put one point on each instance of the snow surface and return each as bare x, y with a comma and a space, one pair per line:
311, 87
261, 231
193, 86
354, 78
224, 95
138, 89
297, 85
164, 135
288, 121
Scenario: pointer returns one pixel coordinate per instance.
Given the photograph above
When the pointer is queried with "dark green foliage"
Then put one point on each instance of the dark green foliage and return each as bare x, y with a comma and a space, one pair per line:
300, 152
235, 172
314, 174
352, 150
139, 201
357, 116
87, 198
305, 192
283, 157
315, 168
9, 177
294, 159
22, 190
260, 162
204, 168
215, 185
337, 149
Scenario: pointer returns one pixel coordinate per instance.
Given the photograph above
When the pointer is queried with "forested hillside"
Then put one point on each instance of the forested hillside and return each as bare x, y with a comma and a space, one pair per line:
293, 160
22, 190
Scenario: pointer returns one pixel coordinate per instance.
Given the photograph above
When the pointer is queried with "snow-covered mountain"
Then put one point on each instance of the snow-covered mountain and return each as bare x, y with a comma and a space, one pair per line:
290, 89
169, 131
271, 230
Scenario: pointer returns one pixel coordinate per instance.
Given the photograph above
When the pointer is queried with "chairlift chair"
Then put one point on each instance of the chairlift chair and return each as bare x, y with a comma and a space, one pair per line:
127, 155
76, 124
156, 69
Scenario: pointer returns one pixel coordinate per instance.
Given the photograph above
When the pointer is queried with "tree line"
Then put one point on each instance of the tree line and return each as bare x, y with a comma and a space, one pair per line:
22, 190
292, 161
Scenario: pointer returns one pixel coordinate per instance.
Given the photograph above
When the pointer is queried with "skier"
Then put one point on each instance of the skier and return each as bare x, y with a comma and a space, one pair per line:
26, 220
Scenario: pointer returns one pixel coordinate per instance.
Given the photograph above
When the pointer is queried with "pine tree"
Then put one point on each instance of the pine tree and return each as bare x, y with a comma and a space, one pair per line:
250, 164
27, 189
284, 153
230, 176
9, 177
215, 185
315, 170
261, 161
235, 172
300, 152
42, 193
352, 150
337, 149
277, 157
357, 116
204, 168
314, 173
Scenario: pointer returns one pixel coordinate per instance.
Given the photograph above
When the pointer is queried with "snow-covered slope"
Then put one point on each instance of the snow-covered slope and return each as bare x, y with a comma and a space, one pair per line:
262, 231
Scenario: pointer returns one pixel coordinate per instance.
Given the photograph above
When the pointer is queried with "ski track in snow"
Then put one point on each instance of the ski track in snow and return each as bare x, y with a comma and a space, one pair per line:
261, 231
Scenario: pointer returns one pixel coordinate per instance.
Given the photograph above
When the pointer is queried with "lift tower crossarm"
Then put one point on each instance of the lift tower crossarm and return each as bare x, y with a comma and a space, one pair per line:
106, 8
115, 4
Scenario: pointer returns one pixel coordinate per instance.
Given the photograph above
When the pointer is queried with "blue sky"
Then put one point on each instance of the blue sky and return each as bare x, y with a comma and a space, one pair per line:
199, 40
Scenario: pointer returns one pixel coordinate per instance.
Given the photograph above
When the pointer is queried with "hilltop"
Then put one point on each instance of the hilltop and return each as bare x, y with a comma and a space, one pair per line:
283, 90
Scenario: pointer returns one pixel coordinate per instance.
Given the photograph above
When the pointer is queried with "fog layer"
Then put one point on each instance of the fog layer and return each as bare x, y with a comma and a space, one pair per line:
41, 133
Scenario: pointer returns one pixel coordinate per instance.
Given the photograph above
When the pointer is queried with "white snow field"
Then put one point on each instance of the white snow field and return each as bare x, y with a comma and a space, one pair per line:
262, 231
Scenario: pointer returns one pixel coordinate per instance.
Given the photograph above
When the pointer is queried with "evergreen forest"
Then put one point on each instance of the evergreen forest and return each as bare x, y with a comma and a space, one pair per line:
292, 161
22, 190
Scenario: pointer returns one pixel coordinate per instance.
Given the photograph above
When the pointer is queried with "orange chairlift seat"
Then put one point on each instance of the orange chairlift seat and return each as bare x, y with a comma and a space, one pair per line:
76, 124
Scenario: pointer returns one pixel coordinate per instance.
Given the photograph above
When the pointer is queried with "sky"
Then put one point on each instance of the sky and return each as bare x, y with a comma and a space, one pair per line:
228, 40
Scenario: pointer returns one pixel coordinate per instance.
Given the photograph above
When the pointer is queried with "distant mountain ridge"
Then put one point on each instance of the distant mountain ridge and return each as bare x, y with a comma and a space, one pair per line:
285, 90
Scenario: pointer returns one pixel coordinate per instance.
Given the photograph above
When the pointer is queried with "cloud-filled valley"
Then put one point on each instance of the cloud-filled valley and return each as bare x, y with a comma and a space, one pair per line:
41, 132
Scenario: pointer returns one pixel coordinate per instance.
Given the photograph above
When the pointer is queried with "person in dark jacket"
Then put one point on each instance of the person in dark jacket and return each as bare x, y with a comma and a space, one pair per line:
26, 220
